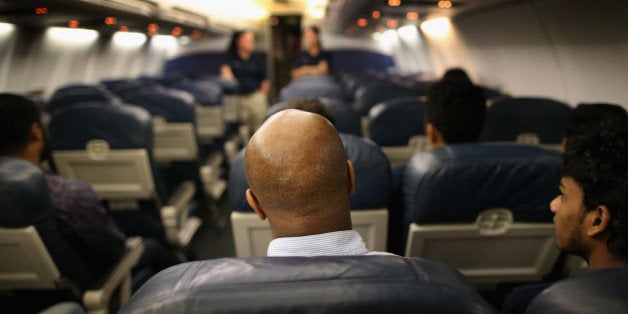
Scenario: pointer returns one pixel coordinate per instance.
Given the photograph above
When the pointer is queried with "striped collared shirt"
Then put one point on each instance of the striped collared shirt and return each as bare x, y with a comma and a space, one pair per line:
338, 243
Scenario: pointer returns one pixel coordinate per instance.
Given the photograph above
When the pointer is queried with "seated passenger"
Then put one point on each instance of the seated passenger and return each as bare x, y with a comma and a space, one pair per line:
590, 214
300, 180
454, 113
456, 75
310, 105
586, 115
313, 60
79, 213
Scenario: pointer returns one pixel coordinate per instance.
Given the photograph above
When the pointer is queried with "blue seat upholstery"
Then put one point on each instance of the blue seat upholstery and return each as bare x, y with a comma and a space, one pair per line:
601, 291
394, 122
123, 127
367, 97
25, 201
312, 86
508, 118
81, 89
348, 284
456, 182
373, 177
163, 102
206, 92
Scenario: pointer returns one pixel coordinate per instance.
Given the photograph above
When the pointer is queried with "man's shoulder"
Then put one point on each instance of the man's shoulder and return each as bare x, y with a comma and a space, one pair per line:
57, 183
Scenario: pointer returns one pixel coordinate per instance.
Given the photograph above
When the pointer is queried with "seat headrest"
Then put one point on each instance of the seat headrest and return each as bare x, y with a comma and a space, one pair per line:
163, 102
373, 178
312, 86
394, 122
456, 182
601, 291
123, 127
24, 196
510, 117
347, 284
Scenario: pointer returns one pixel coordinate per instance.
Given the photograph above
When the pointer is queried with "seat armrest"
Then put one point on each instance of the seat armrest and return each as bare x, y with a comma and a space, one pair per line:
97, 300
174, 215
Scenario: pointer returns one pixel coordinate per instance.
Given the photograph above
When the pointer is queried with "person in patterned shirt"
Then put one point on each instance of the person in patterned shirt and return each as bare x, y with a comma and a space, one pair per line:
79, 214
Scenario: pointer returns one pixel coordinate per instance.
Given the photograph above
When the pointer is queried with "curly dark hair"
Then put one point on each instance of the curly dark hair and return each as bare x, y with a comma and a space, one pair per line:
457, 110
233, 44
17, 114
596, 157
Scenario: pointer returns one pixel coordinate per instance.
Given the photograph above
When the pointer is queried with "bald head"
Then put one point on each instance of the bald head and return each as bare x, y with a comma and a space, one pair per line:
298, 174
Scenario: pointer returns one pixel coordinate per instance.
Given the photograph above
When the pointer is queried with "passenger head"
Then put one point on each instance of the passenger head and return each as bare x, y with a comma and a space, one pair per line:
591, 212
313, 105
242, 42
299, 175
22, 133
454, 113
456, 75
311, 37
586, 115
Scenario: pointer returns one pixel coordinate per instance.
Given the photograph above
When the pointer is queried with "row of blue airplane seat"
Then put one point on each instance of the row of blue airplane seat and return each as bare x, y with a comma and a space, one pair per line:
391, 123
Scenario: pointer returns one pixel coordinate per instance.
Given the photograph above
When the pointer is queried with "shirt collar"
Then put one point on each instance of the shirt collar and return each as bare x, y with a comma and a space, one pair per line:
347, 242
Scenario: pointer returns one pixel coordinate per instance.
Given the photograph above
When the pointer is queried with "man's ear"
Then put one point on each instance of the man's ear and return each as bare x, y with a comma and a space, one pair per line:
434, 138
599, 222
351, 176
36, 133
254, 203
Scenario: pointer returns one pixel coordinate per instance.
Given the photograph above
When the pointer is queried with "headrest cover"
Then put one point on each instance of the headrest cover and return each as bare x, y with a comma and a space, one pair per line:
601, 291
355, 284
456, 182
123, 127
394, 122
24, 196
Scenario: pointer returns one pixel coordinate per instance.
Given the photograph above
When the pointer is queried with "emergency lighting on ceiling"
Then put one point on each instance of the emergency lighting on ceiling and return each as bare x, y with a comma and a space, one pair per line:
412, 16
6, 28
376, 14
176, 31
444, 4
152, 27
123, 28
437, 27
197, 33
164, 41
129, 39
74, 23
72, 35
408, 32
110, 20
392, 23
362, 22
41, 10
394, 3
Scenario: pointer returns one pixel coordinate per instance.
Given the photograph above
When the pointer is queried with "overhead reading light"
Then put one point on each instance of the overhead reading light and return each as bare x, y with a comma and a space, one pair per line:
6, 28
408, 32
129, 40
392, 23
41, 10
437, 27
363, 22
444, 4
110, 20
73, 23
163, 41
72, 35
176, 31
412, 16
394, 3
376, 14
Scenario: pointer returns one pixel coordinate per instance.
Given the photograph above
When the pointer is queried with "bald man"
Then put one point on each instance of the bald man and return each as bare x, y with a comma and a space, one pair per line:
300, 180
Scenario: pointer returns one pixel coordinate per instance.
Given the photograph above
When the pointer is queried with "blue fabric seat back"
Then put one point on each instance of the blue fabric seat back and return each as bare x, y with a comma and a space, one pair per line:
373, 179
600, 291
312, 86
81, 89
367, 97
394, 122
330, 284
163, 102
67, 101
509, 117
206, 92
453, 184
123, 127
25, 200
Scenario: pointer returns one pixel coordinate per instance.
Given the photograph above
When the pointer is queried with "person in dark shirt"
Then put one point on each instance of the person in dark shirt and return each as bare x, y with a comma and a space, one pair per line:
246, 67
590, 213
313, 60
81, 218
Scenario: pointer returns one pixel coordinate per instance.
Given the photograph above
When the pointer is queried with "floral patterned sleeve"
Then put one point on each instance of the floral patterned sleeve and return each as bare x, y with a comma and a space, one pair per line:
85, 222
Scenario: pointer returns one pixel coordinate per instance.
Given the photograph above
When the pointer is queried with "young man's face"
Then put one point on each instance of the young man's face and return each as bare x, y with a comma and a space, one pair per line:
569, 214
